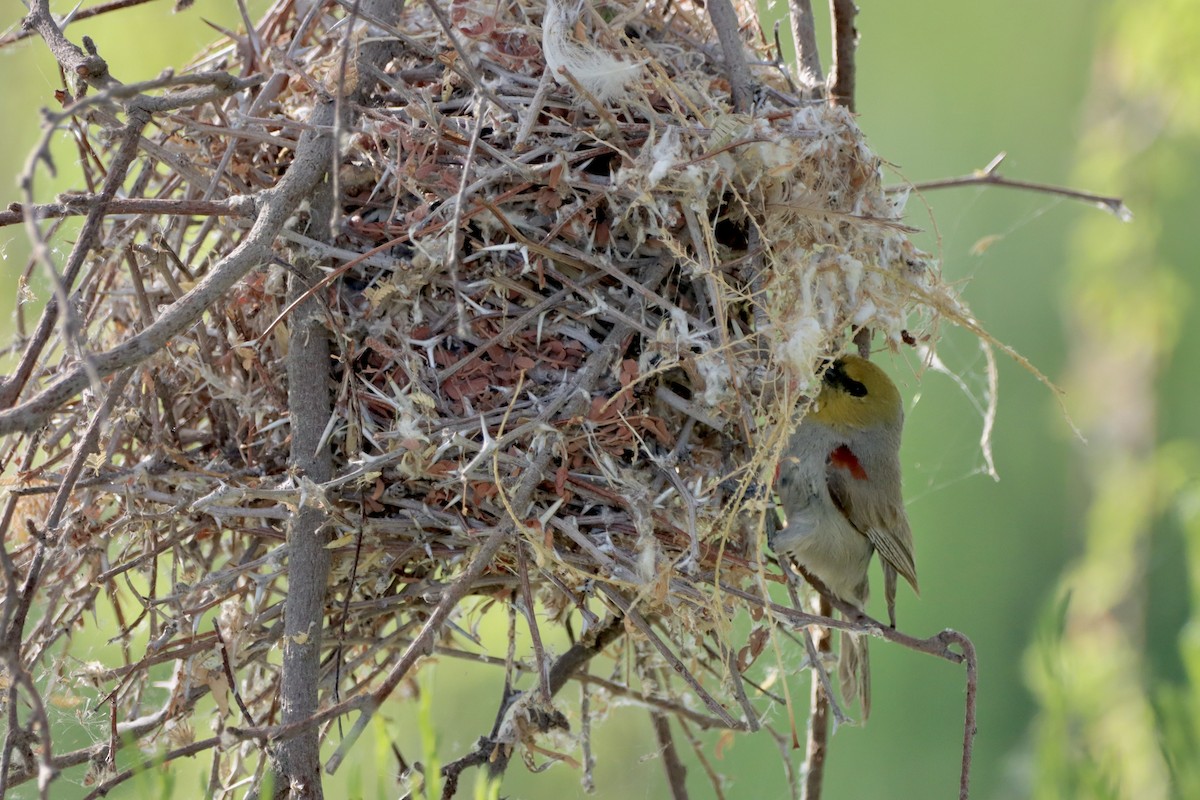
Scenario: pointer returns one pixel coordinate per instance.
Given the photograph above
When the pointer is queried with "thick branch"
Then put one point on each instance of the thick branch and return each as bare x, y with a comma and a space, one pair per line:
845, 41
310, 405
73, 60
725, 20
808, 57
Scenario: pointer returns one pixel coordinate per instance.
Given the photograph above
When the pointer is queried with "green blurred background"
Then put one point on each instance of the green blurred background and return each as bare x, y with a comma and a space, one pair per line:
1075, 574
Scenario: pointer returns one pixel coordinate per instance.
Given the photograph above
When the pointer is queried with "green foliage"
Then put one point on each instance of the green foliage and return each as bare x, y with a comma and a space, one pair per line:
1113, 722
432, 788
485, 788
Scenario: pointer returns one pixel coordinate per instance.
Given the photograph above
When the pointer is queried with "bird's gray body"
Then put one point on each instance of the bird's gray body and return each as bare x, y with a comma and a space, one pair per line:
818, 535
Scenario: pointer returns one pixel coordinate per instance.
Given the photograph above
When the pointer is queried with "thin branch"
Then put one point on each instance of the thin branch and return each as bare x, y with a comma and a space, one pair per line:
275, 207
452, 772
816, 746
186, 751
938, 645
466, 64
564, 668
46, 770
456, 227
739, 690
676, 771
639, 622
229, 676
820, 675
698, 749
786, 743
77, 205
567, 665
87, 239
359, 88
969, 726
535, 635
79, 15
11, 579
988, 176
16, 739
855, 620
207, 87
588, 779
74, 61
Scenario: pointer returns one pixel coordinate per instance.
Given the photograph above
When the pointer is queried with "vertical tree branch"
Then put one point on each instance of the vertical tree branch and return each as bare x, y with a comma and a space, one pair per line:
725, 20
845, 41
310, 404
816, 747
808, 58
862, 340
969, 725
676, 771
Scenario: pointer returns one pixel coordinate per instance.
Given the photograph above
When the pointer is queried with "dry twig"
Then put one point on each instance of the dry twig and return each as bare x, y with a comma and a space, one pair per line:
990, 176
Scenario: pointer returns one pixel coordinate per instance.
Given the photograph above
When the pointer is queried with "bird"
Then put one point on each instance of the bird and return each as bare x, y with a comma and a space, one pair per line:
839, 485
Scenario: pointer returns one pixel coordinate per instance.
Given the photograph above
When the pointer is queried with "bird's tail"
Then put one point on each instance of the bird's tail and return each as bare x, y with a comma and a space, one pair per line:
854, 671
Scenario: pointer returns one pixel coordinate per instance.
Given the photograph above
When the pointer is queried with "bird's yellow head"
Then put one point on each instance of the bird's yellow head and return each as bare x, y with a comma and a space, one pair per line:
857, 394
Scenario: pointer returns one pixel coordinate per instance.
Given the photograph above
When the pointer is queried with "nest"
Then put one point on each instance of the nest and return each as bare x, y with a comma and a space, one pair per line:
574, 311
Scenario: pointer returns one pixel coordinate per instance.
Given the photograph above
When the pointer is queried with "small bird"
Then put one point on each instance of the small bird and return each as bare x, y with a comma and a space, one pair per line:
839, 484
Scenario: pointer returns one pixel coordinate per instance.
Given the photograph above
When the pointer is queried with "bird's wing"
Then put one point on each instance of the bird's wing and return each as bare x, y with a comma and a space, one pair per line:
881, 520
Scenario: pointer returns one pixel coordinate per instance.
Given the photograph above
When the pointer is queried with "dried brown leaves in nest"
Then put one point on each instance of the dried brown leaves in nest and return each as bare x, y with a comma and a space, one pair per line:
579, 303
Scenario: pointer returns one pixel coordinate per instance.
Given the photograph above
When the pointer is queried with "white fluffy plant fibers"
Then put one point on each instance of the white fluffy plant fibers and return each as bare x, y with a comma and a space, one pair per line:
598, 71
839, 254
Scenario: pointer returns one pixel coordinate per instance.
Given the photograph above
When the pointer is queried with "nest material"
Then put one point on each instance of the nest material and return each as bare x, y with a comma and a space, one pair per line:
585, 311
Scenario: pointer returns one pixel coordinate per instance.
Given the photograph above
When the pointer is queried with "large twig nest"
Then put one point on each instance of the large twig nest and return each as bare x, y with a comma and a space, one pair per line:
582, 305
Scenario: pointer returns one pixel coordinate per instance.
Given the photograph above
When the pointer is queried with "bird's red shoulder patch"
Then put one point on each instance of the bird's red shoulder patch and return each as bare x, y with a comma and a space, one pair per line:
843, 458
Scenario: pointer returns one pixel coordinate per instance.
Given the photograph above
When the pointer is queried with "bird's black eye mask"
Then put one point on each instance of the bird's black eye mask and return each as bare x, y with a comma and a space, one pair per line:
836, 376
